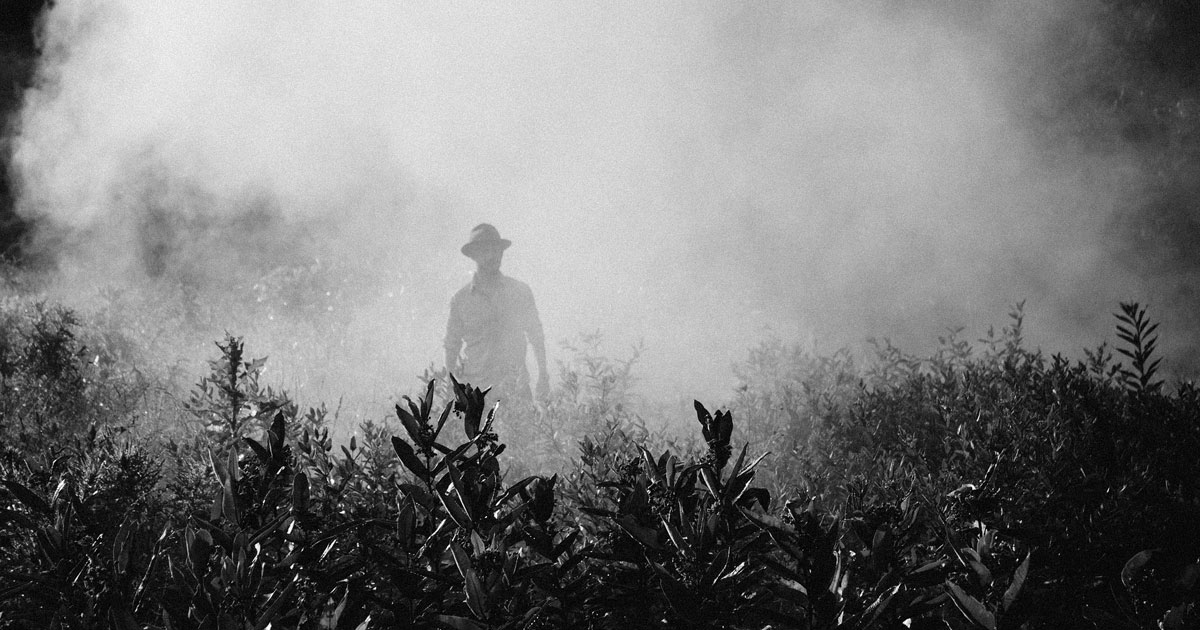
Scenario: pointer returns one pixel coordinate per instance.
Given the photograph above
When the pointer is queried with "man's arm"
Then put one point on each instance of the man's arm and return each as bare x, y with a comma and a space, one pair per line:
537, 339
454, 338
452, 360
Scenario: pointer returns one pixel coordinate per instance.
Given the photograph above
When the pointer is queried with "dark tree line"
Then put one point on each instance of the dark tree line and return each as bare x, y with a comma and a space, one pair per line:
1155, 90
18, 59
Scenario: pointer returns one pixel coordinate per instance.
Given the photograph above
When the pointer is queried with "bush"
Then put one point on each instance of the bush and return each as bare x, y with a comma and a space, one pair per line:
985, 486
53, 386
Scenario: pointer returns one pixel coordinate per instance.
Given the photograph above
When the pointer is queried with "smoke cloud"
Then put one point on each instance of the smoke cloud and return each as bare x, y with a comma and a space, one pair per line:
695, 175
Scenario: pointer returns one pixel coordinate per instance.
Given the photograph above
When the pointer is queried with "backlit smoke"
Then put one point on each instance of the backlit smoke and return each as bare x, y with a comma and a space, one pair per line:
694, 175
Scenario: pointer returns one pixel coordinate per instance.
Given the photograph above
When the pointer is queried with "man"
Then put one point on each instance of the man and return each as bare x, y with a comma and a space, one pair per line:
491, 320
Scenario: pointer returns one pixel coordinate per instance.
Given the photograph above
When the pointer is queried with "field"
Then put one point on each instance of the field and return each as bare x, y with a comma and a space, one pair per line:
229, 232
985, 485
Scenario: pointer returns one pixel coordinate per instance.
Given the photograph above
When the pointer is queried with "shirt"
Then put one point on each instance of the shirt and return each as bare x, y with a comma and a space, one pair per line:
492, 321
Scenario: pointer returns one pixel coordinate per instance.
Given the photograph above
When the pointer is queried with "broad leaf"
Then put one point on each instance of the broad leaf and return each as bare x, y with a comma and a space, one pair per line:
409, 458
28, 497
1014, 589
971, 607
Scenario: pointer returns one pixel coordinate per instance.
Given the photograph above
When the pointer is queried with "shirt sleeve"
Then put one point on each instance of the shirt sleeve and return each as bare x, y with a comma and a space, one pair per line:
533, 323
454, 327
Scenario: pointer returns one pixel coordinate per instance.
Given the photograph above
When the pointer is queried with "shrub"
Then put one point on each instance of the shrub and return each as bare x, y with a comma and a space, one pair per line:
52, 386
985, 486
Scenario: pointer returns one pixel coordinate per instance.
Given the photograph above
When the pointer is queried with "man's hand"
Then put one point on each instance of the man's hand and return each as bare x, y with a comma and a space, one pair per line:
543, 386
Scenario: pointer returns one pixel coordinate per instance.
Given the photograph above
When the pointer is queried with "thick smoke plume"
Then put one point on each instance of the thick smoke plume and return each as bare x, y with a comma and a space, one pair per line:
694, 175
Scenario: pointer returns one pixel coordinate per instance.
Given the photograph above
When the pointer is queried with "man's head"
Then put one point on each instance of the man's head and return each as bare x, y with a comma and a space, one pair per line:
486, 247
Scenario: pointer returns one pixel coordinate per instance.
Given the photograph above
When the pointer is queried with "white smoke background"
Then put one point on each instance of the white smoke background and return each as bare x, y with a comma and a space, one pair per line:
694, 175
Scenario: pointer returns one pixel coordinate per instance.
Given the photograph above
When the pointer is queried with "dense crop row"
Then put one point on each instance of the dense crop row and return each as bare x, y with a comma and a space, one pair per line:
982, 487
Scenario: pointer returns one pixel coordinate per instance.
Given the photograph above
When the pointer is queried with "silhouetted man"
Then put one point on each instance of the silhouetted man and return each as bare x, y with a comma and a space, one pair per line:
491, 320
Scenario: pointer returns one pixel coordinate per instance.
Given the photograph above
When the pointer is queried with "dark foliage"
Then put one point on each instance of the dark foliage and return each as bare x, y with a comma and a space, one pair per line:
998, 489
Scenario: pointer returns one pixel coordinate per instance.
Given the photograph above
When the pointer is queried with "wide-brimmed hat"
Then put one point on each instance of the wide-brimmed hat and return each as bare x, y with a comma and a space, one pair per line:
484, 235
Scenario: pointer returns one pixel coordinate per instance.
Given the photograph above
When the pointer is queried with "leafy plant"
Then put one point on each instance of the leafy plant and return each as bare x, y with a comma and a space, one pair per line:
1136, 330
970, 488
230, 400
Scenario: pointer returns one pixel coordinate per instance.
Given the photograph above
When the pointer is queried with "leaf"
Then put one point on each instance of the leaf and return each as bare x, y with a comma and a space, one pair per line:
455, 622
26, 496
712, 482
565, 544
1133, 568
1014, 589
651, 466
281, 599
409, 458
258, 449
231, 466
754, 464
410, 424
406, 522
476, 598
121, 547
785, 572
705, 419
793, 592
877, 608
515, 489
636, 500
716, 567
971, 608
929, 566
470, 401
442, 421
677, 537
737, 467
454, 507
427, 401
452, 456
752, 495
1187, 578
982, 572
278, 433
477, 544
229, 507
644, 535
300, 492
724, 428
526, 572
420, 495
465, 495
198, 544
767, 522
736, 486
214, 512
329, 619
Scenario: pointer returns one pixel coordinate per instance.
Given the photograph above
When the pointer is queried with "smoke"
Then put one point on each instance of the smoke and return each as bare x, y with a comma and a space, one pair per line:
692, 175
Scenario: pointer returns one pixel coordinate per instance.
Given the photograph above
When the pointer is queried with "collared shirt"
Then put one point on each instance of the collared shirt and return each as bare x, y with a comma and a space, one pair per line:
491, 321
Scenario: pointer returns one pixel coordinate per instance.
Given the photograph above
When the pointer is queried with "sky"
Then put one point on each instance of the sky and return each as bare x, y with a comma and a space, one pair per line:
694, 176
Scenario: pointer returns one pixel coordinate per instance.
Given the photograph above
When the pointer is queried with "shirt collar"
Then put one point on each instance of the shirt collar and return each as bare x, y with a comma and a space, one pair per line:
478, 284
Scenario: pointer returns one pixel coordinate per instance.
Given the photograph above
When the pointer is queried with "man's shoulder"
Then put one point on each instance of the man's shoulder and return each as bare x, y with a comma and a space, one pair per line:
512, 283
461, 293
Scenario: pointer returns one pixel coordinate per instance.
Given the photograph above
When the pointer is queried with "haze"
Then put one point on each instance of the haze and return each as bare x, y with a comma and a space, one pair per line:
695, 175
